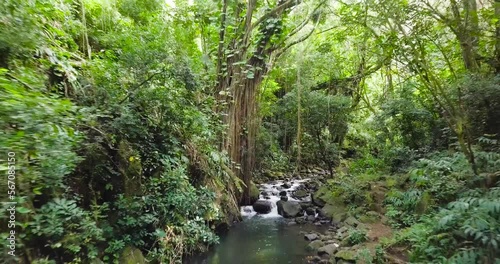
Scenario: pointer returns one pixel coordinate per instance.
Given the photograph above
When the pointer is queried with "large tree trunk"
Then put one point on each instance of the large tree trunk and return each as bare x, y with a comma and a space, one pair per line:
239, 77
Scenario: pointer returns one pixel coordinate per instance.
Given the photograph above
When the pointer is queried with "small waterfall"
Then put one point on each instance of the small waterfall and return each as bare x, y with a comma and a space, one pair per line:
270, 192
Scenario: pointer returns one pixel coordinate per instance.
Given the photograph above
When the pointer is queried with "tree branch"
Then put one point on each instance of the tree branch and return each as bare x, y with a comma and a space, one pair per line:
287, 4
139, 85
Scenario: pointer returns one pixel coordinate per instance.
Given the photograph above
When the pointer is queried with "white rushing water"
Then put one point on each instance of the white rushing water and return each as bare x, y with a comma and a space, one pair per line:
272, 189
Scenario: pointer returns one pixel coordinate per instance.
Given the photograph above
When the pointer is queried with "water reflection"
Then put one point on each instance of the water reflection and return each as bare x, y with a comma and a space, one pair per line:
259, 241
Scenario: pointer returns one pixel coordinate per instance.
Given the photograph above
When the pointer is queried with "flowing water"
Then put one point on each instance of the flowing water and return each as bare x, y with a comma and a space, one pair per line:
262, 239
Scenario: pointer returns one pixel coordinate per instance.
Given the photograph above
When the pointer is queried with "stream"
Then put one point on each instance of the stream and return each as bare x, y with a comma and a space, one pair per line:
264, 238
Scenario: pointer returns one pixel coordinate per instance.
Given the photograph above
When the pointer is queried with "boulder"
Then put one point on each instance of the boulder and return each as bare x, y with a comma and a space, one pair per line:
314, 245
310, 211
305, 205
288, 209
346, 254
279, 175
351, 221
286, 185
254, 193
311, 218
283, 193
262, 207
328, 250
311, 237
284, 198
317, 197
335, 209
300, 194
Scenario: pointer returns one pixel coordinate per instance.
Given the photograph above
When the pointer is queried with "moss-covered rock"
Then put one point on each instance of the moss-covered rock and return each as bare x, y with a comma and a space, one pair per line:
132, 255
346, 254
300, 194
254, 193
335, 209
318, 197
315, 245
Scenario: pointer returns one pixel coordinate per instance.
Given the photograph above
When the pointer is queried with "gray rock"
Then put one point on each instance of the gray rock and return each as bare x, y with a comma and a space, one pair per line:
284, 198
311, 237
283, 193
329, 250
301, 220
352, 221
317, 199
346, 254
288, 209
300, 194
310, 211
262, 207
305, 205
314, 245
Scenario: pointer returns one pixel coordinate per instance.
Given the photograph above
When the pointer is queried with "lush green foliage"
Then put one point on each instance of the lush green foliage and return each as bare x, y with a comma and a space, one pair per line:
128, 119
114, 137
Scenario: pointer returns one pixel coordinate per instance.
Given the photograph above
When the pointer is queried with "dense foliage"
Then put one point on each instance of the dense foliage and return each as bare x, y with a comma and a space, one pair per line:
140, 126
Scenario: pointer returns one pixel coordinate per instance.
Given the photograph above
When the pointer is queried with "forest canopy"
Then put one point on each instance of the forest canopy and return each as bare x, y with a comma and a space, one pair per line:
144, 125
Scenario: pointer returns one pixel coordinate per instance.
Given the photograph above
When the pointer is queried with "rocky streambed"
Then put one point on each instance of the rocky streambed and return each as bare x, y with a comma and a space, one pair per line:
288, 223
291, 199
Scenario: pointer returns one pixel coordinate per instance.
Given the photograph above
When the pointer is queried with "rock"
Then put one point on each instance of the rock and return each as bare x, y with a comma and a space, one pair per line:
264, 193
300, 194
335, 209
311, 237
288, 209
286, 185
279, 174
310, 211
267, 197
351, 221
132, 255
262, 207
314, 185
316, 259
305, 205
342, 230
284, 198
328, 250
317, 197
314, 245
300, 220
346, 254
292, 223
267, 174
254, 193
283, 193
311, 218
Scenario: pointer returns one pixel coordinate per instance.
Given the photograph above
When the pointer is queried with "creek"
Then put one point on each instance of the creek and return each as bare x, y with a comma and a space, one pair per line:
264, 238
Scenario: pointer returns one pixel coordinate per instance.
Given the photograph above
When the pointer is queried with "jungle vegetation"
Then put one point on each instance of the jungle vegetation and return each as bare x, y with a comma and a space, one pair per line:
141, 125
